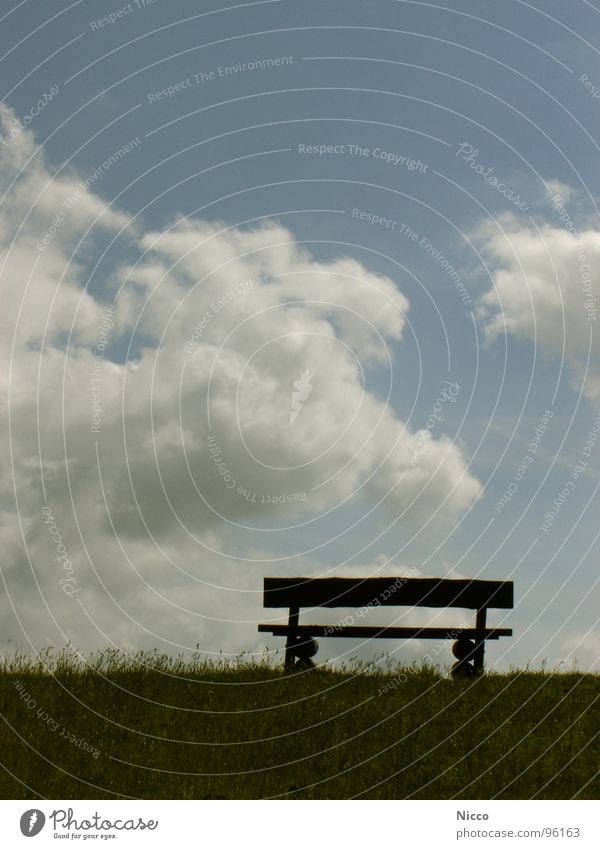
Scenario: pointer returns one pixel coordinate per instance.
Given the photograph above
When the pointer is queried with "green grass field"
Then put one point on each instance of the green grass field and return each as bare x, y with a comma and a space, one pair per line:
153, 727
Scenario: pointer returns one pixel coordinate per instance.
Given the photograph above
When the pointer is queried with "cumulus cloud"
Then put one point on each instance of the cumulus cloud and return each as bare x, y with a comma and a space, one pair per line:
153, 418
545, 284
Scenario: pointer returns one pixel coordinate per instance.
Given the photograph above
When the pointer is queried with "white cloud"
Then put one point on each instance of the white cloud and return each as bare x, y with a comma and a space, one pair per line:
222, 321
545, 287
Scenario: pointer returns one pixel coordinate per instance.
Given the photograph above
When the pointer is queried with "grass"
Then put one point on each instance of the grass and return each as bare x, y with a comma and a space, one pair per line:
151, 726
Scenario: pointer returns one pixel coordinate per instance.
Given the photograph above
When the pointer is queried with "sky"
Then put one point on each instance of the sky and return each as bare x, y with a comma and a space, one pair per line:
298, 288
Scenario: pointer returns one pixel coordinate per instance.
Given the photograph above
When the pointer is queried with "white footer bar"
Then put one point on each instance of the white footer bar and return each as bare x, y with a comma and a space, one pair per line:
301, 824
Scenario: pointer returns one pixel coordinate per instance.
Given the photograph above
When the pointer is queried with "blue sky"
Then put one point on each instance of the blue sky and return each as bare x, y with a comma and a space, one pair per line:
513, 84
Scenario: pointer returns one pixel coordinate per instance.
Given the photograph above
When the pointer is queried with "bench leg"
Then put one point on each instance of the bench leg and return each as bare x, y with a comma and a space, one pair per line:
479, 658
479, 653
292, 637
470, 653
290, 658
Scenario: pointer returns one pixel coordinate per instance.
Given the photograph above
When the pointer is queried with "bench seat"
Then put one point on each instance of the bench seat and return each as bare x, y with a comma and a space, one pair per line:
393, 633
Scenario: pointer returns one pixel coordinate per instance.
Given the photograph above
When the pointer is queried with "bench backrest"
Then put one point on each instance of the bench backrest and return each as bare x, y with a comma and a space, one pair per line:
402, 592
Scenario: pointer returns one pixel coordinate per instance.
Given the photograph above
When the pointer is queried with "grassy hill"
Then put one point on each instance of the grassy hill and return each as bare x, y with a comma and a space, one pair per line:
150, 726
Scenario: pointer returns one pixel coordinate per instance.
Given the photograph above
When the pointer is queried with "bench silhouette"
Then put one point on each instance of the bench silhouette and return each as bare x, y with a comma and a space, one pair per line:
469, 646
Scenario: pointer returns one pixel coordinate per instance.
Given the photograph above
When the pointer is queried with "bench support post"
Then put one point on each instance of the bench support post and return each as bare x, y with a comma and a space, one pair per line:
479, 653
292, 637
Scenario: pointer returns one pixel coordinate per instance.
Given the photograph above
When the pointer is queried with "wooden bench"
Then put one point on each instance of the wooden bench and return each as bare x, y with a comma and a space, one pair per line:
368, 593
